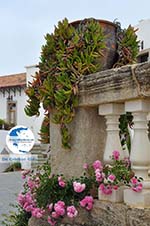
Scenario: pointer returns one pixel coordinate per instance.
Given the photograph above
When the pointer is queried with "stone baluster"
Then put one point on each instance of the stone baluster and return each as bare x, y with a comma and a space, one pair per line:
112, 113
140, 152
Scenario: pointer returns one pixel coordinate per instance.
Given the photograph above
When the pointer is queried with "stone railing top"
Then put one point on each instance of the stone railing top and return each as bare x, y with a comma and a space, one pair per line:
115, 85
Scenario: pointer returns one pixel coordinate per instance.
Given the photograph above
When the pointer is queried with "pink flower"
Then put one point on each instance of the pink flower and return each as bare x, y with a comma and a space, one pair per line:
24, 173
71, 211
59, 208
27, 207
29, 197
50, 207
105, 189
61, 203
116, 155
127, 162
21, 199
115, 187
26, 201
87, 202
85, 166
99, 175
89, 206
78, 187
37, 180
50, 221
138, 187
31, 183
111, 178
134, 180
55, 215
97, 165
61, 182
37, 212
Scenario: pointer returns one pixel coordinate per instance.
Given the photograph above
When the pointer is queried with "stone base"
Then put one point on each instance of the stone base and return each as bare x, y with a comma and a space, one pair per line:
103, 214
88, 132
116, 196
137, 199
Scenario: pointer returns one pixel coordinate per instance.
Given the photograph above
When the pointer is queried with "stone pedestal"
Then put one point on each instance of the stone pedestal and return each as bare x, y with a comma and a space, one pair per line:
138, 200
112, 113
88, 131
103, 214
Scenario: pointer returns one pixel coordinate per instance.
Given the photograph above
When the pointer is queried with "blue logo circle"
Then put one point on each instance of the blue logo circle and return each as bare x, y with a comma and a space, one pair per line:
20, 140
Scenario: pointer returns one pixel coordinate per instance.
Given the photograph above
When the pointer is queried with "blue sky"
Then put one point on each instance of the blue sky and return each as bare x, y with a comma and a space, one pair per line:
24, 23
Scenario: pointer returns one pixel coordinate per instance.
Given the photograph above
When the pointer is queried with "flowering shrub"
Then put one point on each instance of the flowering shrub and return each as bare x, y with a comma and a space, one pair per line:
56, 196
111, 177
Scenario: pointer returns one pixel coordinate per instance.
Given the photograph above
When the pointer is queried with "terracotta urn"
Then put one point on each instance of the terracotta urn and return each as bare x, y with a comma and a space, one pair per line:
109, 53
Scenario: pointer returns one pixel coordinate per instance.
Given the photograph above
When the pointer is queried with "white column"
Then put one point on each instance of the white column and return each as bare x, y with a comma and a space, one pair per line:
140, 146
140, 152
112, 113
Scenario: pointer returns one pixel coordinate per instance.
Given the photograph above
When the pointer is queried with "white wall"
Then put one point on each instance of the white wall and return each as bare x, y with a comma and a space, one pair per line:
34, 123
143, 32
3, 107
3, 134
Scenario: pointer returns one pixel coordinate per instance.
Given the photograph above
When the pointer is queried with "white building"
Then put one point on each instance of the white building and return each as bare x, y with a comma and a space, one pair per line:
143, 34
13, 100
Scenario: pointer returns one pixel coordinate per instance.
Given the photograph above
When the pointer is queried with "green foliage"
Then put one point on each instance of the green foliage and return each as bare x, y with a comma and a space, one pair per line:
69, 53
13, 167
120, 170
127, 46
33, 101
44, 131
49, 190
1, 121
17, 218
125, 121
5, 125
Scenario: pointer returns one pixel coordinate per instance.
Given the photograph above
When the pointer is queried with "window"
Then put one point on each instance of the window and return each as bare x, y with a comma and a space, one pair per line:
11, 112
142, 45
143, 57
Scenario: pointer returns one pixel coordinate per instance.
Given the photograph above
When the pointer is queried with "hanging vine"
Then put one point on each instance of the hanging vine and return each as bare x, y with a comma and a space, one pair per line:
44, 131
128, 45
68, 54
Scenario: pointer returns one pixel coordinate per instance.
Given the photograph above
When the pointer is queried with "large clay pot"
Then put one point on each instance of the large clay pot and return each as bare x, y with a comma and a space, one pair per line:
109, 53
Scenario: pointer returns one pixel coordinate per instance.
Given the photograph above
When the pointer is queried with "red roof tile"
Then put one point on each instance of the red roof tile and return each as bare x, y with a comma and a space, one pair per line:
13, 80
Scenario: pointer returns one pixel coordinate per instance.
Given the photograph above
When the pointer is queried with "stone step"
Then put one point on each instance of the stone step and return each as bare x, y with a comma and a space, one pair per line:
40, 150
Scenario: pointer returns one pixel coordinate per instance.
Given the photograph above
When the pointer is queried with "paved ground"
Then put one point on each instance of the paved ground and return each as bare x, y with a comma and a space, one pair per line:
10, 186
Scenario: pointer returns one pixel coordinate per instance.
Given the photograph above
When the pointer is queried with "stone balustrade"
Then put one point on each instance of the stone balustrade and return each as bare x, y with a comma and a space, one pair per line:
103, 97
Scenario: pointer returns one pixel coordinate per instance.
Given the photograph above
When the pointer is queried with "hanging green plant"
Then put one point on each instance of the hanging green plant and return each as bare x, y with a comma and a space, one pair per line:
128, 46
44, 131
126, 120
69, 53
